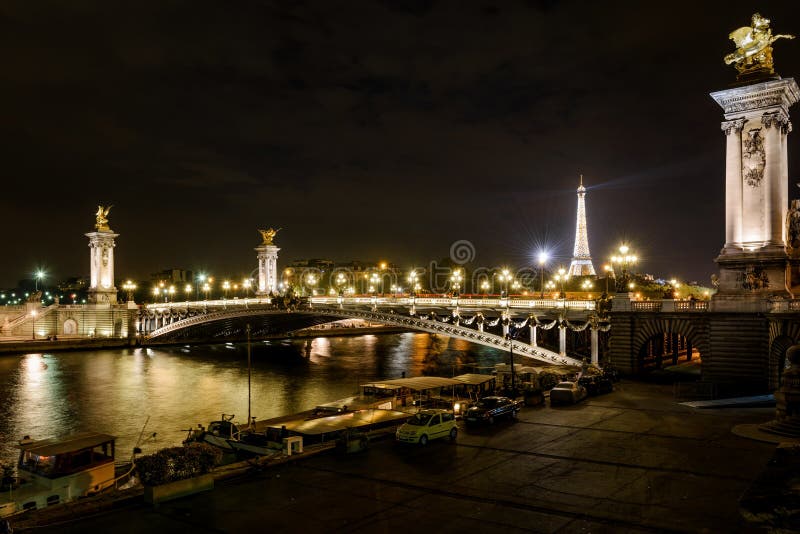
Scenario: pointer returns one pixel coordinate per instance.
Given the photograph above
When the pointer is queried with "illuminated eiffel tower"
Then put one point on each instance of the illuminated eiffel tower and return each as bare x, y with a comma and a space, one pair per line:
581, 259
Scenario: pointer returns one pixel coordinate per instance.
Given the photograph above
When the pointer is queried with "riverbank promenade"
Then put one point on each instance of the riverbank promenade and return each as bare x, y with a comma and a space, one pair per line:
631, 461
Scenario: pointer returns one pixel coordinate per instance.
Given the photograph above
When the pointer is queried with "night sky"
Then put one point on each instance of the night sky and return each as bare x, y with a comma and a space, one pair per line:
367, 130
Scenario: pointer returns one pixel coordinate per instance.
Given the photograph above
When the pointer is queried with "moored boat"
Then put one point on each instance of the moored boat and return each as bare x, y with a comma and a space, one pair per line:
54, 471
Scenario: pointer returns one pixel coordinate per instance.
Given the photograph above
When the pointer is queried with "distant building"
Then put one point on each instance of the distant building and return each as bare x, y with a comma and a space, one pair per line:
75, 283
313, 263
172, 276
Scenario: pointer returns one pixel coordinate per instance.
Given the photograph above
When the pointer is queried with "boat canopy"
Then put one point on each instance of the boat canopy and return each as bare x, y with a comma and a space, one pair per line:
419, 383
76, 442
473, 379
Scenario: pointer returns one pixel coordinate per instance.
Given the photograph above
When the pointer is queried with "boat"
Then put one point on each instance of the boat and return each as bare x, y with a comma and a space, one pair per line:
231, 437
54, 471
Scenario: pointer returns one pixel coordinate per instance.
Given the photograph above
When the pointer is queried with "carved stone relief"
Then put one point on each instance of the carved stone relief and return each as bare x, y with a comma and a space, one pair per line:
753, 278
753, 158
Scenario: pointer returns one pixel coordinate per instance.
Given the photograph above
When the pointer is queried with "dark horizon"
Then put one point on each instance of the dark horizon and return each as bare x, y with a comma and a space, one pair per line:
373, 131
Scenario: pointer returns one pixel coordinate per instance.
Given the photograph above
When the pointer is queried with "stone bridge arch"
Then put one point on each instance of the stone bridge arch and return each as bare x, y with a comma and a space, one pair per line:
783, 333
634, 331
232, 322
670, 336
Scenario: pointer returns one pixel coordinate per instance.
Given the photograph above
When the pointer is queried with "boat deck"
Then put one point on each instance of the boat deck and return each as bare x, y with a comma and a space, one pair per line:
328, 427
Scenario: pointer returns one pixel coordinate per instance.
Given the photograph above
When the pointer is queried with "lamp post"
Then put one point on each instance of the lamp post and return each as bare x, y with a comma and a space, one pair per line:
456, 277
550, 285
130, 287
542, 262
413, 284
341, 280
587, 285
201, 279
247, 283
485, 287
188, 290
206, 289
505, 277
39, 275
608, 270
562, 277
33, 328
226, 285
624, 260
156, 293
311, 280
374, 279
511, 336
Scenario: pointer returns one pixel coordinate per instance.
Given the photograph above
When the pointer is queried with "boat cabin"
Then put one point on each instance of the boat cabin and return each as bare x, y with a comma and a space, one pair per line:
52, 471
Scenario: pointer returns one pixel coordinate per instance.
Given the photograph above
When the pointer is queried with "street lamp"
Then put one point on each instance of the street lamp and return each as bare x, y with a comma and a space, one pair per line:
587, 285
156, 293
39, 275
226, 285
311, 280
206, 289
608, 270
33, 328
505, 277
542, 262
188, 290
201, 279
485, 286
456, 277
413, 277
374, 279
130, 287
170, 292
341, 280
624, 260
562, 276
247, 283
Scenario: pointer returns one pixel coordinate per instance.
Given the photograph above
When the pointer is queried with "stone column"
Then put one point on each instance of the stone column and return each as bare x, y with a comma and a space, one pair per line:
267, 269
562, 339
733, 182
594, 340
533, 335
774, 175
101, 264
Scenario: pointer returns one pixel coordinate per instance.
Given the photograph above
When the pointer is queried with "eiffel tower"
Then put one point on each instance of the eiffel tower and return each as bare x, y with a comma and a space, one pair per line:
581, 259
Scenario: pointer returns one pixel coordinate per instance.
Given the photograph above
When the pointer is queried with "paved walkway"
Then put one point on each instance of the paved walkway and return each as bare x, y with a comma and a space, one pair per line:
632, 461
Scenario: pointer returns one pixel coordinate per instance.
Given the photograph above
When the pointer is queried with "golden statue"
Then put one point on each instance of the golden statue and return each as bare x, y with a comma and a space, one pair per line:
753, 54
268, 235
101, 219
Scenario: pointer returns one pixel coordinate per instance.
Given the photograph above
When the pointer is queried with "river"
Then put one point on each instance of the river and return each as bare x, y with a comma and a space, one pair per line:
114, 391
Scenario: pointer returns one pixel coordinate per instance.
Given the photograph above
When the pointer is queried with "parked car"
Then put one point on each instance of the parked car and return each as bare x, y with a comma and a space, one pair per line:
596, 385
427, 425
567, 393
487, 409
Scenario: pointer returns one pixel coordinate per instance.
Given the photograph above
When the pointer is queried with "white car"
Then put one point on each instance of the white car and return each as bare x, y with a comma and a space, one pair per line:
567, 393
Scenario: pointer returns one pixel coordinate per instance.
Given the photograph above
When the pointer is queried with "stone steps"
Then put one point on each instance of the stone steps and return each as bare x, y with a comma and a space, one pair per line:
789, 427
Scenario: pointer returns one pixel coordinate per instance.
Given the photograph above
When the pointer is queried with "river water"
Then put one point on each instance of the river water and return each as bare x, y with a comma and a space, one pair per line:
114, 391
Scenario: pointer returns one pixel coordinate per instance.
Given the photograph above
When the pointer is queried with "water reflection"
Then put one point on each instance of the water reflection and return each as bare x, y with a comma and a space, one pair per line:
114, 391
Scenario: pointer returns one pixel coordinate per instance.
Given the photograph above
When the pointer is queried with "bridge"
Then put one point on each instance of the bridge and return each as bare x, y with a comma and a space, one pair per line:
500, 323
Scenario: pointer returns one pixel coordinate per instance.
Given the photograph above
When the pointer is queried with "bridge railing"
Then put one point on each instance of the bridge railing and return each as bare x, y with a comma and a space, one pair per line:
234, 302
669, 305
452, 302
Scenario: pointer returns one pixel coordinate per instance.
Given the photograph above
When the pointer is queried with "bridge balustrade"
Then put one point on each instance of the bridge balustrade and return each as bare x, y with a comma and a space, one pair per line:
466, 302
669, 305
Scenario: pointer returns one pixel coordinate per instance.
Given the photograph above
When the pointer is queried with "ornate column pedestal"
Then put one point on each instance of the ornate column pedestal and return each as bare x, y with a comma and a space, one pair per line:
754, 263
101, 262
267, 263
